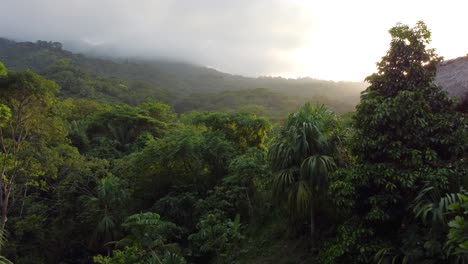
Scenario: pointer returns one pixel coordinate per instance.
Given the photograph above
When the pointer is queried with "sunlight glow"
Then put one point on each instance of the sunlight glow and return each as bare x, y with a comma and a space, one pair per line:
347, 38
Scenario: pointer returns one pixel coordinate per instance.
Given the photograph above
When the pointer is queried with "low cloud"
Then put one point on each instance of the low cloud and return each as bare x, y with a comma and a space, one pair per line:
243, 36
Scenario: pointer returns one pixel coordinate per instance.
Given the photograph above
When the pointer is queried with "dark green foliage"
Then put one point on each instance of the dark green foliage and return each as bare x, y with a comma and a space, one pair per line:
404, 117
29, 128
105, 210
243, 129
457, 243
147, 242
117, 130
271, 103
79, 77
407, 138
112, 175
217, 235
302, 159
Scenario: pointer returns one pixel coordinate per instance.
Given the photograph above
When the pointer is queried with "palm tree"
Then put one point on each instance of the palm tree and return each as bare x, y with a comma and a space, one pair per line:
302, 158
107, 207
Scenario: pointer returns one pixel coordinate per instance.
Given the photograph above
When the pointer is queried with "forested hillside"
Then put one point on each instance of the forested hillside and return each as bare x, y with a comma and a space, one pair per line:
186, 86
97, 167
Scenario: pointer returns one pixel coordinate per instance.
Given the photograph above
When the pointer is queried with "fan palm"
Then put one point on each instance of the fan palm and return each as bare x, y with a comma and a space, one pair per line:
302, 158
107, 207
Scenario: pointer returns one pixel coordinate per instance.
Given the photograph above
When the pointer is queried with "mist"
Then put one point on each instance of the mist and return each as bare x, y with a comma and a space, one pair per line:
243, 37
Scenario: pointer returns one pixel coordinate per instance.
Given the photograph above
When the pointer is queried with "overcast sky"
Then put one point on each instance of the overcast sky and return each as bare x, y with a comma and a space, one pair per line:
327, 39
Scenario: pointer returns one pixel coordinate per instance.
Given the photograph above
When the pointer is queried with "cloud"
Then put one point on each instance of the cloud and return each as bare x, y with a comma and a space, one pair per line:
243, 36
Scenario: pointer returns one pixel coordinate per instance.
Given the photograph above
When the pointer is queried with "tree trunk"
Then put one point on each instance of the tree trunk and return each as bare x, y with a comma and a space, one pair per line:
24, 199
312, 224
249, 204
3, 214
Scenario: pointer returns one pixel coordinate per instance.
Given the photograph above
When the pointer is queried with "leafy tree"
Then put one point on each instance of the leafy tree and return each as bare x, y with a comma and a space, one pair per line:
174, 160
407, 135
245, 130
27, 127
190, 155
217, 235
120, 126
179, 207
149, 231
404, 117
147, 242
250, 174
75, 208
303, 157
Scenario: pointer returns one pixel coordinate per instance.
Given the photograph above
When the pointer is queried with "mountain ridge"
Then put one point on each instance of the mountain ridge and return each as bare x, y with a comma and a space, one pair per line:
133, 81
178, 83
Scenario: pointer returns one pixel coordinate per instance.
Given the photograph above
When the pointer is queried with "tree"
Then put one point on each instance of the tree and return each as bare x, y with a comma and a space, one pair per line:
3, 70
148, 242
408, 137
27, 127
243, 129
302, 158
121, 125
404, 117
217, 235
107, 208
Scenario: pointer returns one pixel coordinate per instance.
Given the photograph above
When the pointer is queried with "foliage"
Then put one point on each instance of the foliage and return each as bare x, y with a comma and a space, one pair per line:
106, 209
185, 86
457, 242
245, 130
3, 70
84, 174
216, 235
302, 158
28, 127
146, 242
407, 137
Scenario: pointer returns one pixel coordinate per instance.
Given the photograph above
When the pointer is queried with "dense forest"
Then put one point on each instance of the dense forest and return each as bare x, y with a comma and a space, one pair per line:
117, 162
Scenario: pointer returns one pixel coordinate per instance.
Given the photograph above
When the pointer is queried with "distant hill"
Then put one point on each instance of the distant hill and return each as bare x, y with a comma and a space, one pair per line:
133, 81
452, 75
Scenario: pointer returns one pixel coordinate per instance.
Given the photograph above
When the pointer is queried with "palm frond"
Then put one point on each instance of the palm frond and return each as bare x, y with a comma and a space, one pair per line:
4, 260
284, 179
299, 198
316, 168
431, 207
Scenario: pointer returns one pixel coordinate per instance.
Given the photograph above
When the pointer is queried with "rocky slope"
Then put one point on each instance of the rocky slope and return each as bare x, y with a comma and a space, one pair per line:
452, 75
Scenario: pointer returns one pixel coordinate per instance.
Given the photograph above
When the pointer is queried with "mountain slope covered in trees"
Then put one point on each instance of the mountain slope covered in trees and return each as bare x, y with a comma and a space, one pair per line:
134, 81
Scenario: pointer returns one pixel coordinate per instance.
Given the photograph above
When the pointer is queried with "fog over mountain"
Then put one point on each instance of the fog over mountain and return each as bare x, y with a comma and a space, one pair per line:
243, 36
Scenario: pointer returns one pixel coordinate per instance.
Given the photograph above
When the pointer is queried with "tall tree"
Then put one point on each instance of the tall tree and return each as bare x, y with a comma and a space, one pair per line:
107, 209
407, 135
302, 158
27, 125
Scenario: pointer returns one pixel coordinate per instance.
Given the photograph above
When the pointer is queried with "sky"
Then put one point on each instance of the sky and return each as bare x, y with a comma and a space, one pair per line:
327, 39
